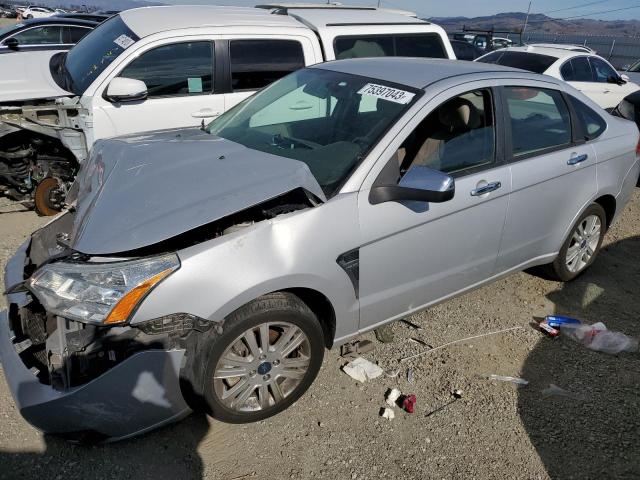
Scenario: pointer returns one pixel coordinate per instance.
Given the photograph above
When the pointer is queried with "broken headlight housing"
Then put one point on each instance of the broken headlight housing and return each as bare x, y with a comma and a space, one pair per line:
99, 293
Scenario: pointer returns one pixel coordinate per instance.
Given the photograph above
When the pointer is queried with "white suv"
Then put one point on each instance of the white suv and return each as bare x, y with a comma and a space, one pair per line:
580, 66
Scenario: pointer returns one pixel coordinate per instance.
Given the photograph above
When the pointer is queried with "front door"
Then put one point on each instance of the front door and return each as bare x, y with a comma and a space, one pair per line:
181, 91
413, 255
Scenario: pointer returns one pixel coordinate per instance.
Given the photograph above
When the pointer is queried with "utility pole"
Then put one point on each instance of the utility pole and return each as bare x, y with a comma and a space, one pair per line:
378, 3
526, 19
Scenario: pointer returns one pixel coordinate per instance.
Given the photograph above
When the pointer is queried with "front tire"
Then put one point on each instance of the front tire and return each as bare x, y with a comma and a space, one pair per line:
267, 356
581, 248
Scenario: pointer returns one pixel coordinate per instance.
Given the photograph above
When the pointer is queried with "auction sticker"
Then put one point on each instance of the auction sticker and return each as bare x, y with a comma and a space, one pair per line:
124, 41
387, 93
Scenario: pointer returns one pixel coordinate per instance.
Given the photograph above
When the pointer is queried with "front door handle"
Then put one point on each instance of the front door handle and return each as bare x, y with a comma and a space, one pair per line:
205, 113
489, 187
577, 159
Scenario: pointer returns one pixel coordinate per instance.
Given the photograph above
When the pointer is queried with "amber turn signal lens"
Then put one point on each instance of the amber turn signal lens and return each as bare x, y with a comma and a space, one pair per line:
125, 306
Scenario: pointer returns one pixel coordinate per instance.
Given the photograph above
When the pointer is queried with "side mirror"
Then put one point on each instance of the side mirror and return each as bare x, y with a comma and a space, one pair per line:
12, 43
422, 184
616, 79
624, 78
126, 90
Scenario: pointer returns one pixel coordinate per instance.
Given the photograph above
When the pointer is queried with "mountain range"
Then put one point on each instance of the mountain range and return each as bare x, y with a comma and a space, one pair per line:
539, 23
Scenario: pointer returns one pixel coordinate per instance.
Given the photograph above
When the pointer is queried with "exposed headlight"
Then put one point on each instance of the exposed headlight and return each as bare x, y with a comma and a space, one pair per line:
101, 293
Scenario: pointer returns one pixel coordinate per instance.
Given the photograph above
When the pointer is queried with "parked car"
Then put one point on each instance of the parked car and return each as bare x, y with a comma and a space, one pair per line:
500, 42
92, 17
7, 11
167, 67
37, 12
465, 51
308, 210
52, 33
632, 72
588, 72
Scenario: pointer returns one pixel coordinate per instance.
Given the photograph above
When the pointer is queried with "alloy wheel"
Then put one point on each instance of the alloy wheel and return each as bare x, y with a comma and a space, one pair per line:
584, 243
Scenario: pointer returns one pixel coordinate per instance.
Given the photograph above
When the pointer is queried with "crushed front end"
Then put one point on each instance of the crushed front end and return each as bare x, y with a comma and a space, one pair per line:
86, 381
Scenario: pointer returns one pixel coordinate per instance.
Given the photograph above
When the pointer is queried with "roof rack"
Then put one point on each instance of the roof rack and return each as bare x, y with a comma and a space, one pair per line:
283, 8
563, 46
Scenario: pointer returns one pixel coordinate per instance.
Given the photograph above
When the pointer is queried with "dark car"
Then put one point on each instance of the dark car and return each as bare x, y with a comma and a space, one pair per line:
465, 51
53, 33
92, 17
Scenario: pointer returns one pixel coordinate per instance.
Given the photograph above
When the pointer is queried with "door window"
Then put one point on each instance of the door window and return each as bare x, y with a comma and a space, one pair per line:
74, 34
178, 69
577, 70
602, 71
411, 45
539, 120
258, 63
459, 136
46, 35
592, 124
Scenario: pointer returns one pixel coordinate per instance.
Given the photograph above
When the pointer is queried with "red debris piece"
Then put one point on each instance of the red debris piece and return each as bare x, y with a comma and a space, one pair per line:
409, 403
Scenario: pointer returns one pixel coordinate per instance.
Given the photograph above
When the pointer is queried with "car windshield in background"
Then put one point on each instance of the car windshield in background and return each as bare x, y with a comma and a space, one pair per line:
533, 62
96, 51
326, 119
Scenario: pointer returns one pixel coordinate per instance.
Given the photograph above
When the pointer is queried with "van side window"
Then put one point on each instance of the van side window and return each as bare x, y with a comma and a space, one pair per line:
258, 63
407, 45
458, 136
176, 69
539, 119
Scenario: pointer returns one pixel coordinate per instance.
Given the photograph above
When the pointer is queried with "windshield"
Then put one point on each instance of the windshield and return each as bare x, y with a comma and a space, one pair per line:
326, 119
96, 51
532, 62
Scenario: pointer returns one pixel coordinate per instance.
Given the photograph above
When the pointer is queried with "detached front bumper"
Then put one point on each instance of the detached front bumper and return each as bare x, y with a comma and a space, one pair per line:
139, 394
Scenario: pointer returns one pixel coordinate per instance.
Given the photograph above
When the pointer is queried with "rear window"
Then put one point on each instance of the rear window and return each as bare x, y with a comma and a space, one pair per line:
425, 45
533, 62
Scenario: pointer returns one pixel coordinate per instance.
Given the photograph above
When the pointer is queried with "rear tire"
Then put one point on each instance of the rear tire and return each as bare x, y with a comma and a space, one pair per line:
581, 248
246, 380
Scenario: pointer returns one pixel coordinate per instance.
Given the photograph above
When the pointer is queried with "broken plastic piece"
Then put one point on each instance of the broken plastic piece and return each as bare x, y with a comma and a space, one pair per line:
410, 375
388, 413
353, 350
362, 370
393, 396
409, 403
457, 393
392, 373
597, 337
556, 391
501, 378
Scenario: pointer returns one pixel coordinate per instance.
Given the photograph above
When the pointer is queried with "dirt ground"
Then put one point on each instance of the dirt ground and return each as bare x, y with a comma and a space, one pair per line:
496, 430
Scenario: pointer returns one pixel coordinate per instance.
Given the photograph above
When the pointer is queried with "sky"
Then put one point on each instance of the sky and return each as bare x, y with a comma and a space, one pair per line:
626, 9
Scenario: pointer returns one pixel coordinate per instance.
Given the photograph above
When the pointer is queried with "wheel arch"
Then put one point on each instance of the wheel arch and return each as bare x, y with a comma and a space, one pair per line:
608, 203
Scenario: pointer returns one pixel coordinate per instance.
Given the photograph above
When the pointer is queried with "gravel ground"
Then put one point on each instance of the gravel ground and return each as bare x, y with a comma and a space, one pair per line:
496, 430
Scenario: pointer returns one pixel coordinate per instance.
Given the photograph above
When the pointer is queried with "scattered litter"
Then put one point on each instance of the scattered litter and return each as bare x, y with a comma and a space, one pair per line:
409, 403
410, 375
392, 373
459, 341
362, 370
387, 413
392, 397
597, 337
548, 329
411, 324
353, 350
557, 321
556, 391
419, 342
457, 395
502, 378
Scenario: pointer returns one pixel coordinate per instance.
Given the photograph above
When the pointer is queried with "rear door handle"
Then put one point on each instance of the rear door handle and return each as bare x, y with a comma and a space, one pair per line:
578, 159
489, 187
205, 113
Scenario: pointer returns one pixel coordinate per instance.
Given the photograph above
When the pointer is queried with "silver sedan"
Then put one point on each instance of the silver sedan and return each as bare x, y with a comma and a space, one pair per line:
208, 269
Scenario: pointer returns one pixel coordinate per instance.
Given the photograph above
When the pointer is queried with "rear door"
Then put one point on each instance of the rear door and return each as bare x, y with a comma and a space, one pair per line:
553, 172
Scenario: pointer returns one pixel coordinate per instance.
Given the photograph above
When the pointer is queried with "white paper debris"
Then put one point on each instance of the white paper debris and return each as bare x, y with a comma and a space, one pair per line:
388, 414
393, 397
362, 370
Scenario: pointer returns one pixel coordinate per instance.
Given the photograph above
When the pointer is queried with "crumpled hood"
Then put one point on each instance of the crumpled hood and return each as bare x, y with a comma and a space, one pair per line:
139, 190
26, 76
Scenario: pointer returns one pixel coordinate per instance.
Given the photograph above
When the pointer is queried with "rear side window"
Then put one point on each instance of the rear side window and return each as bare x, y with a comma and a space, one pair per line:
577, 70
532, 62
258, 63
591, 124
176, 69
74, 34
417, 45
48, 35
539, 120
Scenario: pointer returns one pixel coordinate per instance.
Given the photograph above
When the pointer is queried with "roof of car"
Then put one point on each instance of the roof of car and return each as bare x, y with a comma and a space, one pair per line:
326, 17
416, 72
558, 51
149, 20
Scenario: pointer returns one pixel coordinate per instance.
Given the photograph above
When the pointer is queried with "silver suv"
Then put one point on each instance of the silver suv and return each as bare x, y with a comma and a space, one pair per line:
209, 268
